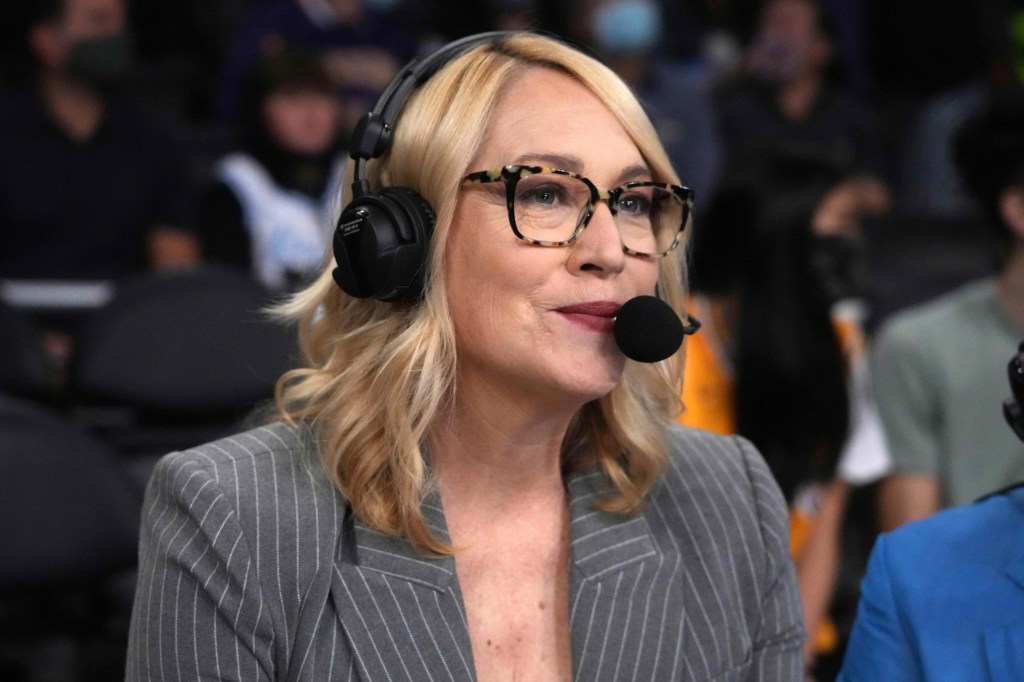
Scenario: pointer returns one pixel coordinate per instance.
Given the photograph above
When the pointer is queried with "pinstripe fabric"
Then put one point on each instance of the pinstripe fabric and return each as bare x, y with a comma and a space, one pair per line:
251, 568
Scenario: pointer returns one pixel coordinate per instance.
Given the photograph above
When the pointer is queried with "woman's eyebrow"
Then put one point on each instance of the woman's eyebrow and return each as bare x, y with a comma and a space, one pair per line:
636, 172
575, 164
560, 161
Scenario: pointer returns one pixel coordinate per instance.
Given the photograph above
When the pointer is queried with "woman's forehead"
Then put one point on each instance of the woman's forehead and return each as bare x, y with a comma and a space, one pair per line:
545, 114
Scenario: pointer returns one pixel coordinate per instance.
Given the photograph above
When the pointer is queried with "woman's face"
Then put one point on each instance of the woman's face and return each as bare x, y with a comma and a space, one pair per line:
537, 320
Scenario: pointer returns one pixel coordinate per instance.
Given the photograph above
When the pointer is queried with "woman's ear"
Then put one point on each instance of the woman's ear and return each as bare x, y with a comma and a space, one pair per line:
1011, 210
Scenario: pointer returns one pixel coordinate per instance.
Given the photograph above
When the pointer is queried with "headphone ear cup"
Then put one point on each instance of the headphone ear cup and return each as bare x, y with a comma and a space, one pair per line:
381, 243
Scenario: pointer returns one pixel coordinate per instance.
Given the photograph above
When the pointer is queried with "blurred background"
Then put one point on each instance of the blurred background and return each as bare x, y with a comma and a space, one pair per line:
170, 167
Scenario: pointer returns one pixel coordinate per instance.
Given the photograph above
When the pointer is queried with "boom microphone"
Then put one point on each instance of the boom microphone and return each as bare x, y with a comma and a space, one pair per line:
648, 330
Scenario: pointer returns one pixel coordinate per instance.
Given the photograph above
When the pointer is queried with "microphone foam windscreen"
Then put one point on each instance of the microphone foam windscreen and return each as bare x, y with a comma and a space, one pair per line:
647, 329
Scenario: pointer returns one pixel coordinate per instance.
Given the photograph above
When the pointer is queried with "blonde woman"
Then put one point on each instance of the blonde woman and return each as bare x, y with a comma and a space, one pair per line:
468, 479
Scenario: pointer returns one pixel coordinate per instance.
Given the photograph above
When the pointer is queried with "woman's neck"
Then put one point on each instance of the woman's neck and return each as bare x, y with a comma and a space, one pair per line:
493, 455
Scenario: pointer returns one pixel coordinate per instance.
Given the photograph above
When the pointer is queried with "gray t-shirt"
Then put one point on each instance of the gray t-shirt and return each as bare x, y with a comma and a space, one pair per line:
940, 379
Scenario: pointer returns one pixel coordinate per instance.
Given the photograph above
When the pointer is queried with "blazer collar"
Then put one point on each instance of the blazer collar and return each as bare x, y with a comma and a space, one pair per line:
400, 609
396, 557
601, 544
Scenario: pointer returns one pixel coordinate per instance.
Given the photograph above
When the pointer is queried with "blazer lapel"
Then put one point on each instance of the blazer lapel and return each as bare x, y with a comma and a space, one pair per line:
402, 614
625, 596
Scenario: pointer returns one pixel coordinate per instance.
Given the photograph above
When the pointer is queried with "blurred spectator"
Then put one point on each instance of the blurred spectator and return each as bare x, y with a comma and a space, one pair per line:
89, 188
361, 49
938, 365
626, 34
781, 358
790, 96
274, 203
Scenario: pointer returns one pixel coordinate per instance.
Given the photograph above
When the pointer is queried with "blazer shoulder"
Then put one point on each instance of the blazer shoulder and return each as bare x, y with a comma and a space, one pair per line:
720, 506
253, 443
712, 471
277, 446
272, 476
699, 455
253, 517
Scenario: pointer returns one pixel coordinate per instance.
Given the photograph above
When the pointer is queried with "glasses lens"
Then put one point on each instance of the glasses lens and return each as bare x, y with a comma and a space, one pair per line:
649, 218
548, 207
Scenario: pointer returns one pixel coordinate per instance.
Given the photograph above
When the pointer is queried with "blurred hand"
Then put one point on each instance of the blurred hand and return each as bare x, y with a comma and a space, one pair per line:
847, 203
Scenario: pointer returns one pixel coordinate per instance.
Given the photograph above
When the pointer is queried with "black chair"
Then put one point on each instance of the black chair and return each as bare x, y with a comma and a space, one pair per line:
68, 547
178, 358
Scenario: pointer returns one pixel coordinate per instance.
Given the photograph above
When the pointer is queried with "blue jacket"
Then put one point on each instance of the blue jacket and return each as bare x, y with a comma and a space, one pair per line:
943, 598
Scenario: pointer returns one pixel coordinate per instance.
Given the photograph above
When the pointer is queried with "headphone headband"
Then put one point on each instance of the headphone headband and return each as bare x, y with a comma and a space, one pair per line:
372, 135
382, 236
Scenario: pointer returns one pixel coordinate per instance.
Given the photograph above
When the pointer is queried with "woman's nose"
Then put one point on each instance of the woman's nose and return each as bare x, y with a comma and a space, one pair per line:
599, 246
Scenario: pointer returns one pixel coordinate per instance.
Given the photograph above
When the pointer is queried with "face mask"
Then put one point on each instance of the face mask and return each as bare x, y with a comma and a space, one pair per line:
101, 61
627, 26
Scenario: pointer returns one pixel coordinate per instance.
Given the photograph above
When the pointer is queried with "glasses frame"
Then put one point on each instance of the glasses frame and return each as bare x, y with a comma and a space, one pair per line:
512, 174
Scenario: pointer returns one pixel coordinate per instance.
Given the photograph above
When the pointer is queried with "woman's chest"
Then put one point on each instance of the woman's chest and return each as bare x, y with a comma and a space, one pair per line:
517, 612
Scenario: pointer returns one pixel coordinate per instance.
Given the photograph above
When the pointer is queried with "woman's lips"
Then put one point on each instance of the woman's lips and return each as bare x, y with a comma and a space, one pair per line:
596, 316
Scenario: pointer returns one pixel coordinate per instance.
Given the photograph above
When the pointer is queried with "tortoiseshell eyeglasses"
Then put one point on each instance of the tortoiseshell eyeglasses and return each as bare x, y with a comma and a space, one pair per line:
551, 207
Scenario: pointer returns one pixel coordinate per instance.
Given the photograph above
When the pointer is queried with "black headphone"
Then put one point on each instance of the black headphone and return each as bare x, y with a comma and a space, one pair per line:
381, 239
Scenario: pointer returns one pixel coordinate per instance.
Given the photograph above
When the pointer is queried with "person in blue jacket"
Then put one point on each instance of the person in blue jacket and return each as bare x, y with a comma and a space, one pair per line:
943, 598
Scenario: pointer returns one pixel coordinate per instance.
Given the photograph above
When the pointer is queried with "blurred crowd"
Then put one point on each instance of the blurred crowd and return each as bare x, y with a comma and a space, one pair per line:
849, 159
201, 115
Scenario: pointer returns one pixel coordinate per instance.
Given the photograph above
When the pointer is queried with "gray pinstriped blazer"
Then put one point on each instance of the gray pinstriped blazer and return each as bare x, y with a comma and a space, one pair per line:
251, 568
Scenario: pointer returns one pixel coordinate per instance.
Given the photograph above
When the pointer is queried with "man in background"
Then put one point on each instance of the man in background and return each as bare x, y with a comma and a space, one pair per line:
942, 597
89, 187
937, 366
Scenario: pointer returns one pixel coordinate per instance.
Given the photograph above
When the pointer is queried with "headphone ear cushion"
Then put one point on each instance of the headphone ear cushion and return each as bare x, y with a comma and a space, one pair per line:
415, 221
418, 219
381, 244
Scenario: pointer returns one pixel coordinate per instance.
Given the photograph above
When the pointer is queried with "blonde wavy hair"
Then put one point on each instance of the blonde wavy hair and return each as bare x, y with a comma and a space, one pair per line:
376, 375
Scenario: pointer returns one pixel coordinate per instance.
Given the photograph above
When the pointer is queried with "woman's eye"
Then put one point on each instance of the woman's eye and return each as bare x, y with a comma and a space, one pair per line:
635, 204
545, 196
